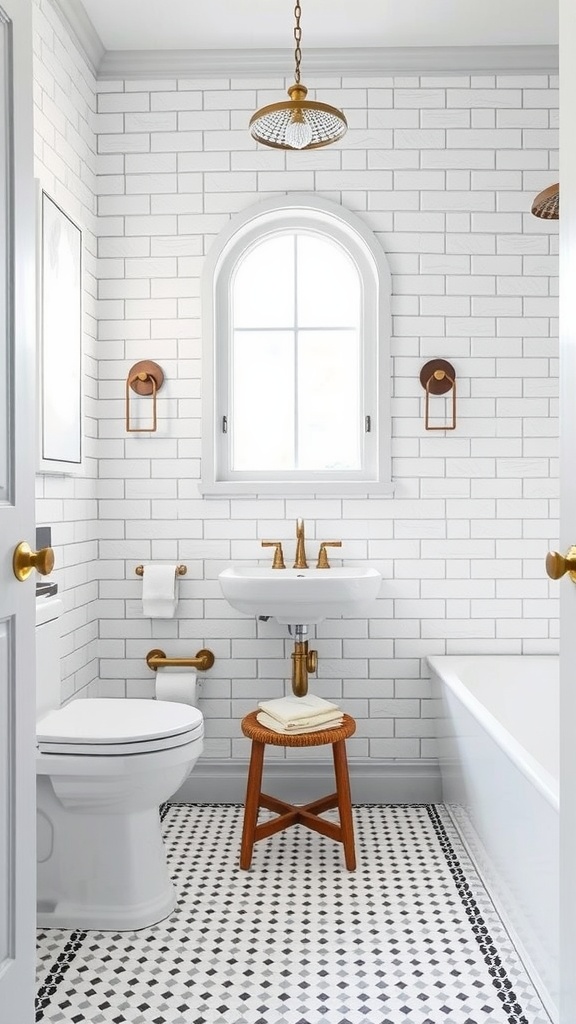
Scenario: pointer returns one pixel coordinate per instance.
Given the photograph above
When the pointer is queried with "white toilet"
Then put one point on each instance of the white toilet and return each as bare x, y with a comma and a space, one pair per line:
103, 767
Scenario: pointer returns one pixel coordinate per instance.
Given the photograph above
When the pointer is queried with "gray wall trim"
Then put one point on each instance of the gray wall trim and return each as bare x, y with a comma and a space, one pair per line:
372, 60
373, 781
82, 31
415, 60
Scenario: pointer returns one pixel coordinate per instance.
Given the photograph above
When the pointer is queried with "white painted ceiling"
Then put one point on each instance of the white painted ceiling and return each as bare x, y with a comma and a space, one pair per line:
239, 24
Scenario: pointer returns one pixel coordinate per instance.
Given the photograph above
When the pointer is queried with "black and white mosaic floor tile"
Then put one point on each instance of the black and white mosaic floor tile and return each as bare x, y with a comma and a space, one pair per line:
410, 937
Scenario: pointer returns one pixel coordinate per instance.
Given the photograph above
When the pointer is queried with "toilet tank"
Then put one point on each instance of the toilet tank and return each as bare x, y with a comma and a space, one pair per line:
48, 695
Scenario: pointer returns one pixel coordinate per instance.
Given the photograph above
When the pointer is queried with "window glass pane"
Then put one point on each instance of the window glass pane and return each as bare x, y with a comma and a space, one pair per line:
263, 288
328, 284
329, 400
263, 400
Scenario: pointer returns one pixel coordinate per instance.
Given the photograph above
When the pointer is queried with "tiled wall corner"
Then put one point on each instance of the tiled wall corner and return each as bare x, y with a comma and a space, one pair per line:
65, 164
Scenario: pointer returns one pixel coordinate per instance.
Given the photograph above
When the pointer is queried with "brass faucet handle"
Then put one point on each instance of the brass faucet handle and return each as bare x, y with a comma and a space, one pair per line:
323, 562
278, 560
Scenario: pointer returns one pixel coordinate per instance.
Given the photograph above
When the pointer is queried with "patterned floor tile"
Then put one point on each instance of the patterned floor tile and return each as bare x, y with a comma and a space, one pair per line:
410, 936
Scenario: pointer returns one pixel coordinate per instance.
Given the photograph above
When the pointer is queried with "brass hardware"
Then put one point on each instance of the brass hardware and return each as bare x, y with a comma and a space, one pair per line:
181, 570
203, 660
278, 560
557, 565
297, 123
25, 561
145, 378
303, 662
438, 377
300, 562
323, 562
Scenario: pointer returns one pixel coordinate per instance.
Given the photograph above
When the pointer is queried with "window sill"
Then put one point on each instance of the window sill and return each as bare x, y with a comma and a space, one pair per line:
295, 488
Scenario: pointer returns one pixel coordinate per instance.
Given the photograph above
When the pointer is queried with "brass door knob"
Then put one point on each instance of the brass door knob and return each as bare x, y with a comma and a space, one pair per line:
25, 561
557, 565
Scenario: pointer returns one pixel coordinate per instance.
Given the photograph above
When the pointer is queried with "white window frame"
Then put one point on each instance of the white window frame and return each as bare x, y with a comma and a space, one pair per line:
285, 213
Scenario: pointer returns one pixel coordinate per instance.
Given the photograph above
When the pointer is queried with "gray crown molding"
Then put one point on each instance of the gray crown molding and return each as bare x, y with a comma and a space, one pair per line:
82, 31
372, 780
372, 60
366, 61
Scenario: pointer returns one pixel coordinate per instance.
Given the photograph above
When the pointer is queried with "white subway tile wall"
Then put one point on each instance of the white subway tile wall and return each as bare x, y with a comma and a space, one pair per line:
443, 170
65, 164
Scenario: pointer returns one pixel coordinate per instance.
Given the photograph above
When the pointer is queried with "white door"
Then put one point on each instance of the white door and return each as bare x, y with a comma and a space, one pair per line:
568, 508
17, 400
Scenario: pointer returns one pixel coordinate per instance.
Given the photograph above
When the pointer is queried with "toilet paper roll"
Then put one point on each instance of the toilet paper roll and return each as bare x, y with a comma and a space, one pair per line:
159, 594
177, 684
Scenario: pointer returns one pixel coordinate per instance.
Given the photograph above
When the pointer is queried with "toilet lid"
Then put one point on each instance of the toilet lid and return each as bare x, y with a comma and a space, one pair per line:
103, 725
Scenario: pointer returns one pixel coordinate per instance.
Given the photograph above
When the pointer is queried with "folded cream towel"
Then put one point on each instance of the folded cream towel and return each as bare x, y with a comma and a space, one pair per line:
304, 723
272, 723
291, 710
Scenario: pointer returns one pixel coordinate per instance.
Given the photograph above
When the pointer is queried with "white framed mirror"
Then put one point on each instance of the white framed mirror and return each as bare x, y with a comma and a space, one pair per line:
59, 313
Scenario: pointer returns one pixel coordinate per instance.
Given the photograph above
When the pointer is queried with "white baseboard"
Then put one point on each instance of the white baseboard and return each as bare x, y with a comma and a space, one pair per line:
373, 781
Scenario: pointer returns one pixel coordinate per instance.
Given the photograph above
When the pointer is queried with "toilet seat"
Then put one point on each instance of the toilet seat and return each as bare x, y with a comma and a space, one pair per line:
107, 725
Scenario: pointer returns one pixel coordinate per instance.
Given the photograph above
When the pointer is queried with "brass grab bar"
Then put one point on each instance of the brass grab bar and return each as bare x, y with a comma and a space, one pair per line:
203, 660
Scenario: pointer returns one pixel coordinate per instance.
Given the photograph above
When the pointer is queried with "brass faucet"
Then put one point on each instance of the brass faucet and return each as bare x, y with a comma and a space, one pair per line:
300, 562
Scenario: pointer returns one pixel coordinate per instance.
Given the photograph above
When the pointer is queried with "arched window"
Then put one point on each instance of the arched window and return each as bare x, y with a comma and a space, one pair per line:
296, 353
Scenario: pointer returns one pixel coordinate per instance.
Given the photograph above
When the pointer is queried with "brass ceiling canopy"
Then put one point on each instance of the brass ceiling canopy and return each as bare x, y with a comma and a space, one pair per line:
547, 203
297, 123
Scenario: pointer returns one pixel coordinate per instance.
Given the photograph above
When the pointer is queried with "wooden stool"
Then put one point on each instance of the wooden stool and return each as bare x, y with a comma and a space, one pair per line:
288, 814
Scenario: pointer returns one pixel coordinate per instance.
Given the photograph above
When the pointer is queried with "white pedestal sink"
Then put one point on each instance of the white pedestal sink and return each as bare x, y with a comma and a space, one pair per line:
300, 596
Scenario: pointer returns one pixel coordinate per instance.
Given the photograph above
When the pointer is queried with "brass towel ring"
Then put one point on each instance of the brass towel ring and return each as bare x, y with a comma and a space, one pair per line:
437, 377
144, 378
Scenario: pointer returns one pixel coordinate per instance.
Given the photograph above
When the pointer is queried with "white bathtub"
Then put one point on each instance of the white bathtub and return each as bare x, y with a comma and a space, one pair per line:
498, 726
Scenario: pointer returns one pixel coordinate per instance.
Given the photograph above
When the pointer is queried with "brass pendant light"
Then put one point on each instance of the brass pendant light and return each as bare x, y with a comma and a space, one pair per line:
297, 123
547, 203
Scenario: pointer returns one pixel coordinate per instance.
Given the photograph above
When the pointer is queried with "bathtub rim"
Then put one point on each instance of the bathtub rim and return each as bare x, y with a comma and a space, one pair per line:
444, 668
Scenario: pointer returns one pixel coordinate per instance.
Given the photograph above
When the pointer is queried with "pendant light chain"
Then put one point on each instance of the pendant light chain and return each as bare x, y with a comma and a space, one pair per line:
298, 38
297, 123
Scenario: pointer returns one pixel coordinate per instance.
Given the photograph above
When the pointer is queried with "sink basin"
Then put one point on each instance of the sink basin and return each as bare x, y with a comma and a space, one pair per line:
300, 596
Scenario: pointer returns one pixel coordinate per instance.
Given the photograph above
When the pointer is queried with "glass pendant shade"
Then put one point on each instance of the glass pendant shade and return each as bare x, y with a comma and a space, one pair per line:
297, 123
547, 203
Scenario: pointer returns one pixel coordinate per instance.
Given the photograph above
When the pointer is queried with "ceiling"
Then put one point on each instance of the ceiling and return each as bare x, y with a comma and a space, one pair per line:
248, 24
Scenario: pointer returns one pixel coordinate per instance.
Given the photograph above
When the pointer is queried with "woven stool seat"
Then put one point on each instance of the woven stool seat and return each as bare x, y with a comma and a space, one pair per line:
254, 731
309, 814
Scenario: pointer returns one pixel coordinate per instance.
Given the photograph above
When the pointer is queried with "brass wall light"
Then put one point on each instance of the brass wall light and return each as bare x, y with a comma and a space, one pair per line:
297, 123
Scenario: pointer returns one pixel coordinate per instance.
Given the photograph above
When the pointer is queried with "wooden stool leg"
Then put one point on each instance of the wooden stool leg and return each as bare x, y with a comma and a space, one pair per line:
252, 803
344, 802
